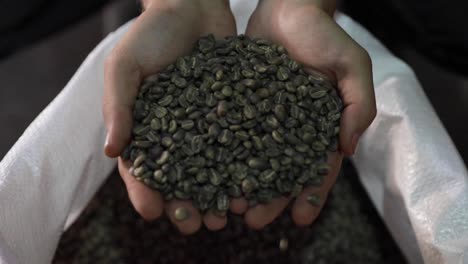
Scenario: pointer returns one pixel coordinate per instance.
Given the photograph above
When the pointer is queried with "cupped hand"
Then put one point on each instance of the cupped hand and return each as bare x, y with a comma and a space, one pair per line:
311, 36
164, 31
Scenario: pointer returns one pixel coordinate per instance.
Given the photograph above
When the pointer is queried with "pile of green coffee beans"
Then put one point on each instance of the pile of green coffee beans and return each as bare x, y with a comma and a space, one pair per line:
235, 118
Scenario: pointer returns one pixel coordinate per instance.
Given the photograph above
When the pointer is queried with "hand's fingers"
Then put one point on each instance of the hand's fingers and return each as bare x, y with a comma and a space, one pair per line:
263, 214
184, 216
121, 80
238, 205
148, 203
357, 92
214, 222
305, 212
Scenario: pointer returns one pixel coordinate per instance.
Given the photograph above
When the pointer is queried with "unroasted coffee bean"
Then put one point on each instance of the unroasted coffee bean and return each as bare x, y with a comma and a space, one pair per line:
159, 176
283, 73
187, 124
138, 172
283, 244
160, 112
249, 111
163, 158
181, 214
267, 176
256, 163
225, 137
234, 191
215, 177
249, 184
142, 144
314, 199
222, 202
139, 160
167, 142
166, 100
317, 93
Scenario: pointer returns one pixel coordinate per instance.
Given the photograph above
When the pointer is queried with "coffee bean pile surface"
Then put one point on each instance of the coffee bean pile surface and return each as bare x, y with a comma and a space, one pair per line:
236, 117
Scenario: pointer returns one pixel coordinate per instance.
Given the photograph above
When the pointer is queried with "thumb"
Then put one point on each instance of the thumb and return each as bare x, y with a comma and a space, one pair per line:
121, 80
357, 92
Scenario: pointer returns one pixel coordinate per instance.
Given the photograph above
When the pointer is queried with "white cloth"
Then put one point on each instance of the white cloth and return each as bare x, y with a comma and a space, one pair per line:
406, 161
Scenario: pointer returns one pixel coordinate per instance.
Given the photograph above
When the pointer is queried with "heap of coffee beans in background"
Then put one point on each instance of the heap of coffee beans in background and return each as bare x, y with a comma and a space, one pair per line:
348, 230
236, 117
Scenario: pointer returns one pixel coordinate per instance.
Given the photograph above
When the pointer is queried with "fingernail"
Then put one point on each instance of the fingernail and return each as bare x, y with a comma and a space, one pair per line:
181, 214
354, 142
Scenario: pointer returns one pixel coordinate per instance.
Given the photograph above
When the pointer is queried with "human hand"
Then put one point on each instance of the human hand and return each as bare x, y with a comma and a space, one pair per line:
311, 36
163, 32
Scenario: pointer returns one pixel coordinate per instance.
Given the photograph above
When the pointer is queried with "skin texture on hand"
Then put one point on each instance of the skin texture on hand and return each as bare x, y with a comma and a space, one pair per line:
163, 32
311, 36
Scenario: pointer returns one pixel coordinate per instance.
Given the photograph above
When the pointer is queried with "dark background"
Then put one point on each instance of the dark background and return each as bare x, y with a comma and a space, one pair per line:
42, 44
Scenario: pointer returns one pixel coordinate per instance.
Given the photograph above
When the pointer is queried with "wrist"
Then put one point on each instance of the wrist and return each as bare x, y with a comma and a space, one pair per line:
193, 5
328, 6
201, 13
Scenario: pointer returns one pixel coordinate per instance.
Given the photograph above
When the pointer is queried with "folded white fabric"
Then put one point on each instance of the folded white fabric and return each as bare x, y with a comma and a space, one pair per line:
406, 161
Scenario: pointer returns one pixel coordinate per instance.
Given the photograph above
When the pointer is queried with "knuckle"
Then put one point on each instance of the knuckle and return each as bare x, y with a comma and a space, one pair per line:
372, 113
120, 58
145, 208
191, 226
109, 108
254, 223
109, 60
302, 222
191, 230
304, 217
215, 226
105, 108
356, 56
363, 56
112, 60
